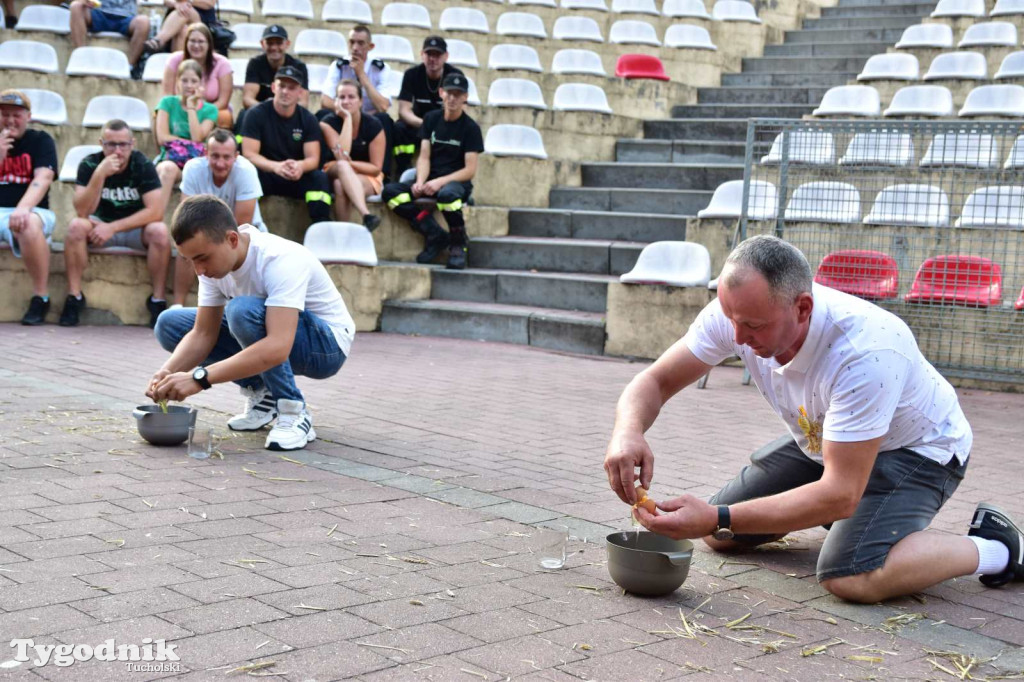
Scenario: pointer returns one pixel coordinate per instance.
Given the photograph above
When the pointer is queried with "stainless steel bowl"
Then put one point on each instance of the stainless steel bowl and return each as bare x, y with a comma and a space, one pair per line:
159, 428
647, 563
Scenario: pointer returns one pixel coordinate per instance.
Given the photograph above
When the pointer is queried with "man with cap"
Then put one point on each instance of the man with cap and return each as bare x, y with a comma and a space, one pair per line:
282, 139
259, 73
28, 162
450, 144
418, 96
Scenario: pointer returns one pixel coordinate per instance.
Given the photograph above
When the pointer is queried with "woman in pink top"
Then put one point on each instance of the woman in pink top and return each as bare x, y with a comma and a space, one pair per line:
216, 69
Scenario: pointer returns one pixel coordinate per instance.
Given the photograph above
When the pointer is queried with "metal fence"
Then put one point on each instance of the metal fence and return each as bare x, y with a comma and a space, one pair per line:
925, 218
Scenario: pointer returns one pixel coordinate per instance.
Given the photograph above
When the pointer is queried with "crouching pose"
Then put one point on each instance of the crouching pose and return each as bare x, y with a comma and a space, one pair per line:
268, 311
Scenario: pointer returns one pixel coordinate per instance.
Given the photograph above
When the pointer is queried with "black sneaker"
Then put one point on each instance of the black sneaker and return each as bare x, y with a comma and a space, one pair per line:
37, 310
457, 257
154, 308
371, 222
992, 523
437, 241
72, 308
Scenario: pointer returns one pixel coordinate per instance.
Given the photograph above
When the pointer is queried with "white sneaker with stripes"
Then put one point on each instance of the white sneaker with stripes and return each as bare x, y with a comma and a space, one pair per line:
260, 410
294, 427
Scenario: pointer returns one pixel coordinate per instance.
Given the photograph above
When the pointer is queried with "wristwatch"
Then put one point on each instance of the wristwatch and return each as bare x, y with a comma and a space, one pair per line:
200, 375
723, 532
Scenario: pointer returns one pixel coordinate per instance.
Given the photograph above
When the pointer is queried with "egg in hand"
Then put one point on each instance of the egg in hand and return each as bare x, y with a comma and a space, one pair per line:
643, 501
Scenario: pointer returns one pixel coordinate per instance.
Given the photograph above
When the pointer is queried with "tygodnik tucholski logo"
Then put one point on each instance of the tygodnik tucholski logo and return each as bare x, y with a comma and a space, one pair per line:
149, 656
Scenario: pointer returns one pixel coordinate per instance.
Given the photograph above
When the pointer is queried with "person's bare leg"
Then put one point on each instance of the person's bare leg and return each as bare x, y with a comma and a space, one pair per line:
342, 207
36, 254
225, 119
76, 253
184, 276
158, 253
81, 19
172, 25
138, 31
169, 173
9, 10
354, 190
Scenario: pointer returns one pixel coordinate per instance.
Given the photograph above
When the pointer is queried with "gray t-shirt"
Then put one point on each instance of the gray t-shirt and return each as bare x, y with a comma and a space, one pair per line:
122, 8
242, 184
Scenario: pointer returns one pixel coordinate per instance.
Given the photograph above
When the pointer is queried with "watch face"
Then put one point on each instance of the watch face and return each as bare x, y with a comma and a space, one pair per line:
723, 534
199, 373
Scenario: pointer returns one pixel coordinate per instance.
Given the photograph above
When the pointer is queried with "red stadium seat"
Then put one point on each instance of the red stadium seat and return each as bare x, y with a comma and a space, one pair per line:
1019, 305
960, 280
640, 66
867, 274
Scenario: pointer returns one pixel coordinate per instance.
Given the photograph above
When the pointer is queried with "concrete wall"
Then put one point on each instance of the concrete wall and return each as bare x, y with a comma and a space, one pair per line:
644, 320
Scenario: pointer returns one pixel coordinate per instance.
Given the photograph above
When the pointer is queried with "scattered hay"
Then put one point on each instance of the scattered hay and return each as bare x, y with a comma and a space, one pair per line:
821, 648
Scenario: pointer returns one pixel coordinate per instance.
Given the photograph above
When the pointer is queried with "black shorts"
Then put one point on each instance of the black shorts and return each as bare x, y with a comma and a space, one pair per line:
903, 494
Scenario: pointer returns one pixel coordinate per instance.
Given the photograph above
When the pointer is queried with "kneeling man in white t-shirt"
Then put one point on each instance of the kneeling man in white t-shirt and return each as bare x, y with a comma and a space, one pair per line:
267, 311
877, 441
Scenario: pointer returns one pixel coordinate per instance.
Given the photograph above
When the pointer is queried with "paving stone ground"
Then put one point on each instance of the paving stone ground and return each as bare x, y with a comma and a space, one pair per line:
398, 546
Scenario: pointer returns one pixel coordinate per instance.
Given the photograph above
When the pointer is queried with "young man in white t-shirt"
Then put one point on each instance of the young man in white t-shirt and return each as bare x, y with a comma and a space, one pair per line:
877, 440
268, 310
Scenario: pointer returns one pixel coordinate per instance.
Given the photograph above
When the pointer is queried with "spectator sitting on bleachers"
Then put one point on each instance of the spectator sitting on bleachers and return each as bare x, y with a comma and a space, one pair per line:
182, 123
174, 28
418, 96
28, 162
261, 70
216, 83
230, 178
117, 199
450, 145
354, 144
282, 139
118, 16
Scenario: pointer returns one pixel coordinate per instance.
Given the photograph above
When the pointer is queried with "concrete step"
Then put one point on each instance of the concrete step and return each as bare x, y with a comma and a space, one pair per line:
664, 201
695, 129
594, 256
919, 9
561, 290
873, 22
843, 49
562, 224
742, 111
679, 151
868, 34
877, 3
803, 64
705, 176
561, 330
787, 80
761, 95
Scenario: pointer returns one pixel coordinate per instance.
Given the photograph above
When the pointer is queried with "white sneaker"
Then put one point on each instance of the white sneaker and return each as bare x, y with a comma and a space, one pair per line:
294, 427
260, 410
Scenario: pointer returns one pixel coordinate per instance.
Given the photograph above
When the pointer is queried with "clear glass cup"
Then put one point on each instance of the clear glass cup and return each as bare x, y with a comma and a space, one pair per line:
200, 442
550, 546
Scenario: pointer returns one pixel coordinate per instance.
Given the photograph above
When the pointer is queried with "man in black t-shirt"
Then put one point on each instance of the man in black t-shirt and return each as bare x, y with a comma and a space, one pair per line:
118, 202
28, 160
450, 145
282, 140
420, 94
261, 69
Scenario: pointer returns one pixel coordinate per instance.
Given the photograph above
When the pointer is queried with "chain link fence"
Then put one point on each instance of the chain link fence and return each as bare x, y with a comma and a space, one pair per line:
924, 218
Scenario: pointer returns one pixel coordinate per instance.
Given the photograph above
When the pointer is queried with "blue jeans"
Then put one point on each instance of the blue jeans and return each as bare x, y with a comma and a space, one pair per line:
315, 352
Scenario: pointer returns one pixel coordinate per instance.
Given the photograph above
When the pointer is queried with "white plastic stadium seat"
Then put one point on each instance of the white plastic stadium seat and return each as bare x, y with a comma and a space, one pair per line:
521, 24
577, 61
804, 146
102, 108
635, 7
678, 264
320, 42
994, 100
958, 65
735, 10
577, 28
881, 148
28, 55
541, 3
237, 6
238, 67
463, 19
688, 36
472, 96
316, 75
581, 97
850, 100
926, 35
959, 8
405, 14
301, 9
335, 242
1015, 159
98, 61
154, 69
891, 67
593, 5
1005, 8
69, 169
685, 8
392, 49
45, 18
727, 201
994, 207
514, 140
1012, 66
921, 100
510, 56
632, 32
515, 92
356, 11
910, 205
966, 150
990, 34
824, 202
47, 106
247, 36
462, 53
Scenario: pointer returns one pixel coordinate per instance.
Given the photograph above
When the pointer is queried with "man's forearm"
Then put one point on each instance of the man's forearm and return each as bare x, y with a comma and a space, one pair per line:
808, 506
34, 194
255, 359
190, 352
261, 162
310, 164
380, 102
638, 406
86, 201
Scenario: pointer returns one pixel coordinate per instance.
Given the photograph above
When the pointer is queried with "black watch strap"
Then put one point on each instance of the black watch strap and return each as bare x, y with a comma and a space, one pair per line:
724, 518
201, 378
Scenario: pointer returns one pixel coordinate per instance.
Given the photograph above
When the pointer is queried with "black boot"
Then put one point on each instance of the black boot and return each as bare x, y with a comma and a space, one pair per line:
437, 240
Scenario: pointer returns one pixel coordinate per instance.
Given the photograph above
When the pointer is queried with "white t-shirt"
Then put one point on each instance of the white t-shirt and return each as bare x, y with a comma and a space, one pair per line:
242, 184
287, 275
859, 375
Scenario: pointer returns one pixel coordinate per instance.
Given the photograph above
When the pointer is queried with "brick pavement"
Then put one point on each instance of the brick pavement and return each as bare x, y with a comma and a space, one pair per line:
398, 546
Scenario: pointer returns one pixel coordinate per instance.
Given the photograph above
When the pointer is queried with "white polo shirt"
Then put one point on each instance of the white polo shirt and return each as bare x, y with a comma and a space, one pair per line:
859, 375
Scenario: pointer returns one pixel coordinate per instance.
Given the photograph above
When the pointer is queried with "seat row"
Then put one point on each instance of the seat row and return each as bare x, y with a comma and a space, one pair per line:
922, 101
940, 36
976, 8
963, 65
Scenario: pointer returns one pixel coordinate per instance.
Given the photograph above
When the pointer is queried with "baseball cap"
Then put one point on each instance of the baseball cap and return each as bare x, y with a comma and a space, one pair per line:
15, 98
455, 81
275, 31
435, 44
291, 73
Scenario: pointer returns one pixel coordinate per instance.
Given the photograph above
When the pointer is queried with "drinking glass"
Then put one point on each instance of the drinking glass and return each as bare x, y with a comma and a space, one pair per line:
550, 546
200, 442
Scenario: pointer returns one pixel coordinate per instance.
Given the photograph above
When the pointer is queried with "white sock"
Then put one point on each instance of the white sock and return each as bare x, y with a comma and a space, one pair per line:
993, 556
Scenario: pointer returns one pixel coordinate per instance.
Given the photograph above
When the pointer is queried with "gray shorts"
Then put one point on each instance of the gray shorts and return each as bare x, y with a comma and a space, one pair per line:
130, 239
903, 494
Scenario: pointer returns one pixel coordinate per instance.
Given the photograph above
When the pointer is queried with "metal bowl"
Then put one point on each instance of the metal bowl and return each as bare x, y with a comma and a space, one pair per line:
647, 563
160, 428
